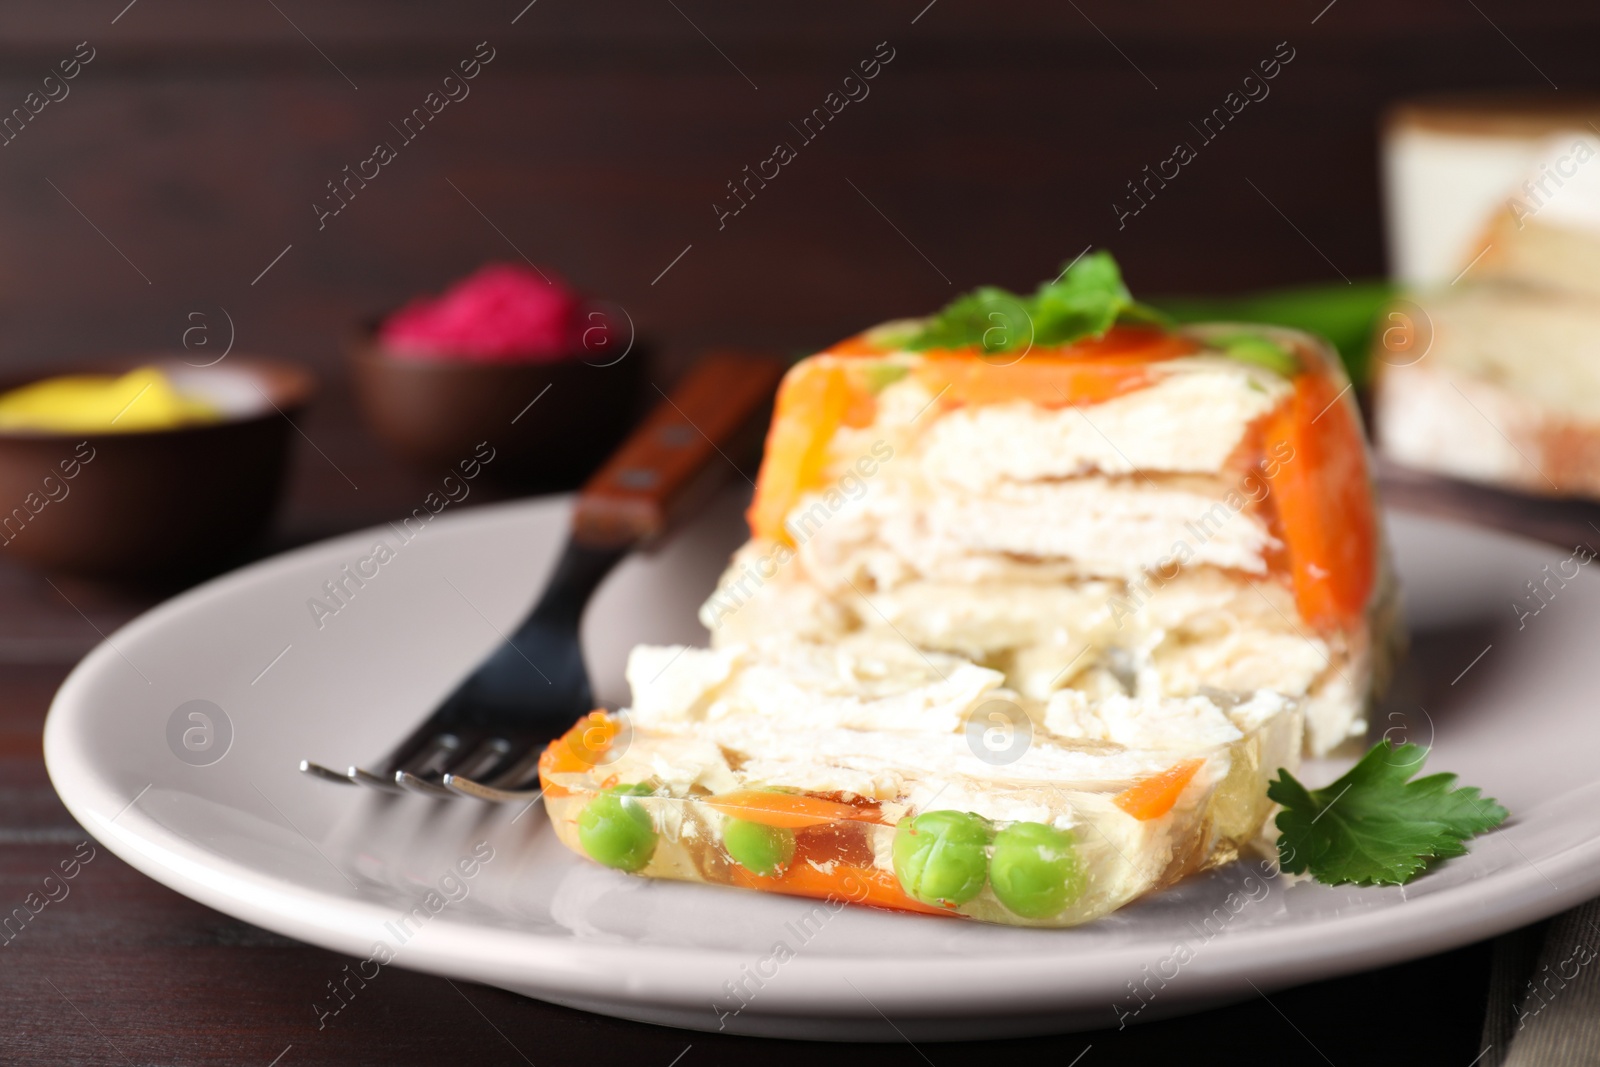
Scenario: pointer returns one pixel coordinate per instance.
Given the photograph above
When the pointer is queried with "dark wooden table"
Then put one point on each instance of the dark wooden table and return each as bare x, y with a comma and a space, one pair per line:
193, 148
125, 971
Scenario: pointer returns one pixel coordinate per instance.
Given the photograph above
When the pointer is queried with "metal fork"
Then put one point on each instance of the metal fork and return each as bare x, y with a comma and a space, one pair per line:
485, 739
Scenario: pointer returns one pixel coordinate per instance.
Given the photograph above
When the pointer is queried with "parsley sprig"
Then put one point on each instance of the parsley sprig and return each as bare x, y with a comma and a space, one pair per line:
1085, 301
1376, 825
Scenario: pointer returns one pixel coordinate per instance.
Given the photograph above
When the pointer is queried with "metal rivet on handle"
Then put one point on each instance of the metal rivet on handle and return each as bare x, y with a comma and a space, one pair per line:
637, 478
677, 435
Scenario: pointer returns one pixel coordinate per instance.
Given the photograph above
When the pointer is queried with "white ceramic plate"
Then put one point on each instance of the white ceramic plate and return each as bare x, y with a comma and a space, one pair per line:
379, 878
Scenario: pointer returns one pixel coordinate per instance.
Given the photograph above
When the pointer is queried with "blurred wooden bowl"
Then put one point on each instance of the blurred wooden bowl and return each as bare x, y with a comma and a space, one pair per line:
550, 424
155, 501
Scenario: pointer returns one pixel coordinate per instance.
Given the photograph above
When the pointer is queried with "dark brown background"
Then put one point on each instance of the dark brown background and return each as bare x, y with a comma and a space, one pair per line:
596, 141
599, 137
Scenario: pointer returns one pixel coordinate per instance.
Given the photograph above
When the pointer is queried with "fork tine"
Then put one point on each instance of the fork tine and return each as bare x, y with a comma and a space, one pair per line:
511, 768
317, 770
437, 753
508, 694
505, 764
466, 787
410, 783
361, 776
517, 772
490, 754
435, 756
449, 751
511, 764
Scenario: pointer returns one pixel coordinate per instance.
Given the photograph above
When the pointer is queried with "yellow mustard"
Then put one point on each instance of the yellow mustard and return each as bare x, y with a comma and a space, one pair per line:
143, 399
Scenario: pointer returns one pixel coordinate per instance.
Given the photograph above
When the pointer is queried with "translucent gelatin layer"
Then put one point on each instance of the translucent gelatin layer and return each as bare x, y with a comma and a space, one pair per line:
868, 774
1149, 511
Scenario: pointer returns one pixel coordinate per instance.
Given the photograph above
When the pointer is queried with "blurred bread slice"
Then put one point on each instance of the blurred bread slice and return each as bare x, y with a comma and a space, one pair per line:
1450, 162
1508, 392
1552, 244
1492, 373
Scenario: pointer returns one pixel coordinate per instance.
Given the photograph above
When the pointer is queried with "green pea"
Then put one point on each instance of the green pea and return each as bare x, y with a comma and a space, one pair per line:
1035, 870
766, 850
941, 857
617, 831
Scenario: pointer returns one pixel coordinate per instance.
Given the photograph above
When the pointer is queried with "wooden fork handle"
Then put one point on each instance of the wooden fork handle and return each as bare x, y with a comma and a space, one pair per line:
682, 448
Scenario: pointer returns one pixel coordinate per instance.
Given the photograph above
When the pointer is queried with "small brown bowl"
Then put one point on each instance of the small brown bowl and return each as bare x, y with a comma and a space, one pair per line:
151, 502
550, 424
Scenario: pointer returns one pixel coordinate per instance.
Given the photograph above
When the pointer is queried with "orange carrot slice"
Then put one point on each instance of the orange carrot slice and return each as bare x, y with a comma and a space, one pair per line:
858, 885
1323, 500
1047, 380
790, 810
811, 406
578, 750
825, 392
1154, 797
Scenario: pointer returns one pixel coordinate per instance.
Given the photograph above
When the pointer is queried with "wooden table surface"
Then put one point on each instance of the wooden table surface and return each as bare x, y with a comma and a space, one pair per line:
179, 188
126, 971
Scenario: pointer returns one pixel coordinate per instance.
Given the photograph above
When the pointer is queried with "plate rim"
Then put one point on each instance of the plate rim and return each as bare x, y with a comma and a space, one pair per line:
684, 976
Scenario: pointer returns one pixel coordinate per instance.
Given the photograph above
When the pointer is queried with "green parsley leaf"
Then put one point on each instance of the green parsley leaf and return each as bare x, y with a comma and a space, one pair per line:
1375, 826
1085, 301
1345, 314
992, 318
1258, 351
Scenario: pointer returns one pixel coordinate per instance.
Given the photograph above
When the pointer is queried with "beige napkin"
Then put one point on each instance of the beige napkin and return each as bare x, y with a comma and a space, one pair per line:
1544, 994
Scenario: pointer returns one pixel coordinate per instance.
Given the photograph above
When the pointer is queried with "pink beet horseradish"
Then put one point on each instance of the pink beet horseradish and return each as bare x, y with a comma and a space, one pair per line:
501, 313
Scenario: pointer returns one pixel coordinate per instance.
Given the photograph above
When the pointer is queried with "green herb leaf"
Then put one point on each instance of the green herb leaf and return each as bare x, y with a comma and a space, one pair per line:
1376, 826
1259, 351
1344, 314
992, 318
1085, 301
